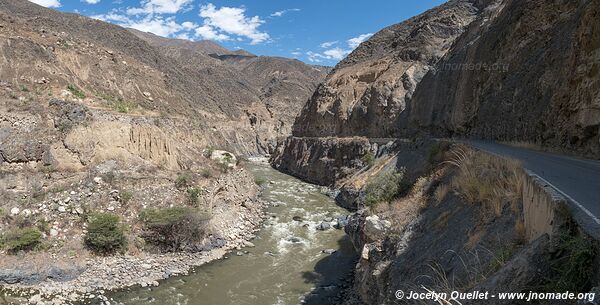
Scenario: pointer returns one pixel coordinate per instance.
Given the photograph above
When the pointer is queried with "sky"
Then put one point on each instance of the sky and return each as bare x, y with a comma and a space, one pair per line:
315, 31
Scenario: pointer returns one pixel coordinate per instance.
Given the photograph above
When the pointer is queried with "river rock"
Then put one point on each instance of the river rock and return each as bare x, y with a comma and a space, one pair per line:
323, 226
329, 251
297, 218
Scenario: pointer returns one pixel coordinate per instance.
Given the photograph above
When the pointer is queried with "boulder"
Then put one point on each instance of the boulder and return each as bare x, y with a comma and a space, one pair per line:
376, 228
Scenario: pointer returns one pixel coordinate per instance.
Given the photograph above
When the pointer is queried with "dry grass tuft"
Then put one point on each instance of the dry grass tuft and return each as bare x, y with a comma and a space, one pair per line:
488, 180
441, 192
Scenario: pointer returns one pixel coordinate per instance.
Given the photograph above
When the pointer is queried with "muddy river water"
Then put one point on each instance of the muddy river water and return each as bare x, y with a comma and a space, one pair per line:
287, 266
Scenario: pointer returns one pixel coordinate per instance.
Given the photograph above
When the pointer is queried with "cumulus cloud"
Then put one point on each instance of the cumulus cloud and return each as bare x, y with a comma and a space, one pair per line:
209, 33
353, 43
337, 53
232, 21
91, 1
283, 12
160, 7
47, 3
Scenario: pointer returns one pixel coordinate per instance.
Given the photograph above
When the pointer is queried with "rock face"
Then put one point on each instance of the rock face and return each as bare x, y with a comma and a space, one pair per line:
320, 160
527, 71
366, 92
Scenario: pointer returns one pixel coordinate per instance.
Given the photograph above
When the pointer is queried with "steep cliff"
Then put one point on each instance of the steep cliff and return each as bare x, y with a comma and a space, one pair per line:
366, 92
529, 71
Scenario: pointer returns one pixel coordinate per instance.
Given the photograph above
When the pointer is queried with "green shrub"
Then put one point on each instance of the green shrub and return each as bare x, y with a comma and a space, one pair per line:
208, 151
105, 233
193, 195
368, 159
383, 188
183, 181
174, 229
75, 91
122, 106
25, 239
573, 264
126, 196
24, 88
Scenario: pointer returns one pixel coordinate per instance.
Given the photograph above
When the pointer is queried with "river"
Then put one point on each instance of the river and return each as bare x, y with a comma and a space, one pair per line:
287, 266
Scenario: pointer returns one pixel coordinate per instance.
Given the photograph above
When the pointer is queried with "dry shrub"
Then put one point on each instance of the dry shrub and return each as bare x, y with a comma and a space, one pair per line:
403, 210
488, 180
441, 192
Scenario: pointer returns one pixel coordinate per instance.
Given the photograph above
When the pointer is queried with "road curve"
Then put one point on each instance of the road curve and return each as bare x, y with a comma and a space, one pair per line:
577, 179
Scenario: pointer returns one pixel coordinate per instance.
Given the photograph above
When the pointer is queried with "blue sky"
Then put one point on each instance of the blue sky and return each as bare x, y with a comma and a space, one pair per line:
317, 32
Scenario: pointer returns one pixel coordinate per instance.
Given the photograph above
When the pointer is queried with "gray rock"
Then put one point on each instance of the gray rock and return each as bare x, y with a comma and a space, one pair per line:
323, 226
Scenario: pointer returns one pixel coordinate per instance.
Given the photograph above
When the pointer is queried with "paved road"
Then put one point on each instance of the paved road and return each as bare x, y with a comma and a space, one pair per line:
577, 179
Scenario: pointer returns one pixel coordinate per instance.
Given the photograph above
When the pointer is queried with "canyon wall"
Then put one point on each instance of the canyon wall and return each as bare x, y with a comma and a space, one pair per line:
528, 71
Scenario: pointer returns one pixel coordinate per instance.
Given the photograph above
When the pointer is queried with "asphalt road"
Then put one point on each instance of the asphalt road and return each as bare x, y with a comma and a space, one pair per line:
576, 179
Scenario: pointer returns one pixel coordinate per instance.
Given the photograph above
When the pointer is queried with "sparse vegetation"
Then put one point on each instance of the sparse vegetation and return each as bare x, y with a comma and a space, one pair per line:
173, 229
441, 192
21, 239
76, 91
488, 180
105, 234
573, 264
122, 106
126, 196
24, 88
501, 257
183, 181
383, 188
208, 151
193, 194
368, 159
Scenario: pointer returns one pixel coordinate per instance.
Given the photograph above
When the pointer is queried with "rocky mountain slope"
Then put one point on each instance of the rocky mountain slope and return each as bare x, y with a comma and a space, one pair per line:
109, 63
366, 92
280, 85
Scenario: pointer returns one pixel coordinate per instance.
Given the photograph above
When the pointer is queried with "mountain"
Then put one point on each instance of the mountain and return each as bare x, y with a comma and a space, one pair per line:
282, 85
368, 92
171, 77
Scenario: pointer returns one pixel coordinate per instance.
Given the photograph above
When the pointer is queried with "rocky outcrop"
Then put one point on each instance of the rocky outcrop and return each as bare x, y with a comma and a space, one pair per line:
526, 71
320, 160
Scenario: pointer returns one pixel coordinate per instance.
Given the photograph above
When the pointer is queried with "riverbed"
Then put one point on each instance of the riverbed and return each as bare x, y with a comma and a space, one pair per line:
290, 264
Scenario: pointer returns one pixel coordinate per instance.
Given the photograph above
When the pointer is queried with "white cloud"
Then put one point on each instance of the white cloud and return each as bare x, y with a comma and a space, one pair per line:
160, 7
112, 17
209, 33
337, 53
91, 1
283, 12
233, 21
166, 27
328, 44
47, 3
353, 43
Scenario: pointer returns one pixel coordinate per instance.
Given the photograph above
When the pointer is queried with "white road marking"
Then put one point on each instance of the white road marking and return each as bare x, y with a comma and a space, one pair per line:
579, 205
